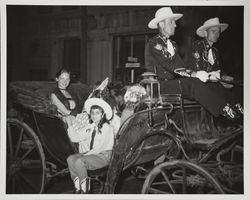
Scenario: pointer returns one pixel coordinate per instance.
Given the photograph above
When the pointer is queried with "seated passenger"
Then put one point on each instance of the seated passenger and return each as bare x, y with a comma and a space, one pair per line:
102, 91
96, 140
204, 56
162, 56
62, 99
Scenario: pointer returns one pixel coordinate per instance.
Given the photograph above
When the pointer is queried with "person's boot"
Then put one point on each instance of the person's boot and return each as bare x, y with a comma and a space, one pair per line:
229, 112
232, 114
85, 186
239, 108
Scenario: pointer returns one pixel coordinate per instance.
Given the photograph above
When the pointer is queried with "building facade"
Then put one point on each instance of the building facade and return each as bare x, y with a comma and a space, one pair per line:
95, 42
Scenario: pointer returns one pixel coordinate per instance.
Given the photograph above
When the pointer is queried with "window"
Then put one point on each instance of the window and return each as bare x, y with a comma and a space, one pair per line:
128, 56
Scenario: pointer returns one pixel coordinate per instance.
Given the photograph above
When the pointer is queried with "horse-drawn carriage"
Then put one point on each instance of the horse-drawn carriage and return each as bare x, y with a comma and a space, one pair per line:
176, 146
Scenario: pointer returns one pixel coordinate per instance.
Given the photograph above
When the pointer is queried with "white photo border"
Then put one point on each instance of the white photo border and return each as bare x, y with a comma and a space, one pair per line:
3, 95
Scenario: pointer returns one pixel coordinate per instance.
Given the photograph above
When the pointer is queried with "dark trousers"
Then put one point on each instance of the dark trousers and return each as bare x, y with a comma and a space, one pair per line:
212, 96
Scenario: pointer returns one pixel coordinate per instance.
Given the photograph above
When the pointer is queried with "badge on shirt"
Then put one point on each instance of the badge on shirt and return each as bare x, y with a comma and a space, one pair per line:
164, 50
196, 55
158, 47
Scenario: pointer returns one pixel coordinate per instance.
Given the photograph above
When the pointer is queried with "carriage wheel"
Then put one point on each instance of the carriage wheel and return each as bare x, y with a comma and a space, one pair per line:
180, 177
25, 160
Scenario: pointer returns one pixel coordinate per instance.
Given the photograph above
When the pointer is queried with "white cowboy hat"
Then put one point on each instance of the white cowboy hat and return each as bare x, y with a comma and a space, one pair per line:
99, 102
201, 31
161, 14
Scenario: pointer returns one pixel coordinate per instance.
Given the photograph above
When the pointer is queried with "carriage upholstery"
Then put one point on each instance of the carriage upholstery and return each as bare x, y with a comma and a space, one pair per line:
53, 134
36, 94
34, 99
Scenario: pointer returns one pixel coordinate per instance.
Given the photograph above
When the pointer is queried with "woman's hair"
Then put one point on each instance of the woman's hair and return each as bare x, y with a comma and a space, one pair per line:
61, 71
103, 119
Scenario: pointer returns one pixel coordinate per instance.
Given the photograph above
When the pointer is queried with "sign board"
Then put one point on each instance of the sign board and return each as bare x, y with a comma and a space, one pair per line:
132, 59
132, 65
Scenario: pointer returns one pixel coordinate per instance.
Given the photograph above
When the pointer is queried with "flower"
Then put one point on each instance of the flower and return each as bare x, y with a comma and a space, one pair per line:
134, 94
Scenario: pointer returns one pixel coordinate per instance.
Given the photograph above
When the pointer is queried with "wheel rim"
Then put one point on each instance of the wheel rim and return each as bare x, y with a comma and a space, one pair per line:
25, 164
180, 177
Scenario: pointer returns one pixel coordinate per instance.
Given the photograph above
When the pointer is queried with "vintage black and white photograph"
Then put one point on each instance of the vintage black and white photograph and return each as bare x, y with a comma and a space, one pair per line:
123, 99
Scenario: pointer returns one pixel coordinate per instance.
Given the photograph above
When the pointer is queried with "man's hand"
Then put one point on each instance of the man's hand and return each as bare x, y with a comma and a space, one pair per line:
183, 72
202, 75
227, 78
214, 76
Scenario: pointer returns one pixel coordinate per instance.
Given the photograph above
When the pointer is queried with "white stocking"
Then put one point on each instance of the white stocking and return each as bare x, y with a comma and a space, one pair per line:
85, 185
77, 183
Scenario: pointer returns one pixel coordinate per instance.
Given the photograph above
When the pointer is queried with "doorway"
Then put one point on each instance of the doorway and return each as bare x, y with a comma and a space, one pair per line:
71, 57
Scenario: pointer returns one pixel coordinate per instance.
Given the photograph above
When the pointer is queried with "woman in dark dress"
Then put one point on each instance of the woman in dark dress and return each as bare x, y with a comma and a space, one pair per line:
66, 105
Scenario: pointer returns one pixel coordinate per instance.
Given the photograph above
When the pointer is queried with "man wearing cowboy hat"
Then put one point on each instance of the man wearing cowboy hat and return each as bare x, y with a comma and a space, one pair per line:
162, 57
204, 56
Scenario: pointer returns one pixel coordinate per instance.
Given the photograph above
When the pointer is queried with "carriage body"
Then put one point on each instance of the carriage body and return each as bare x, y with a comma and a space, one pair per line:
36, 136
144, 137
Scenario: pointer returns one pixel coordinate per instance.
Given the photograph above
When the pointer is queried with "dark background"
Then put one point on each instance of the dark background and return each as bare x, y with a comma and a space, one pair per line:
79, 34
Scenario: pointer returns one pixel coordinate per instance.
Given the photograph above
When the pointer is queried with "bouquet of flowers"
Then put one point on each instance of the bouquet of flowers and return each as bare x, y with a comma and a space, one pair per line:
80, 121
134, 94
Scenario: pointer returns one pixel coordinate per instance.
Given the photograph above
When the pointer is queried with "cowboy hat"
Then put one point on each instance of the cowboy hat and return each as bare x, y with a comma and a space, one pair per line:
99, 102
201, 31
161, 14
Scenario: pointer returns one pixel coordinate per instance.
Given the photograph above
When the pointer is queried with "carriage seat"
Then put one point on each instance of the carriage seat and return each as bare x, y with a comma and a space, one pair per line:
177, 100
36, 94
197, 124
79, 90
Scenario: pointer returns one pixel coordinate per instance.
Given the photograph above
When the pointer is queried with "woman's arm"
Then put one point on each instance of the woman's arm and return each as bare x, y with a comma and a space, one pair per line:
61, 108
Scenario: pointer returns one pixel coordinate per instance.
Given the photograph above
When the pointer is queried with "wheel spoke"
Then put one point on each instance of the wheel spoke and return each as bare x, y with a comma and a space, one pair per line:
168, 182
156, 191
10, 143
31, 164
9, 177
164, 182
13, 184
27, 181
184, 185
20, 184
180, 177
19, 143
26, 154
25, 159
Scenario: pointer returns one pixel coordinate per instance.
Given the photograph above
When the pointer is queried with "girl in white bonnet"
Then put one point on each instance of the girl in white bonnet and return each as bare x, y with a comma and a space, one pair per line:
96, 140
